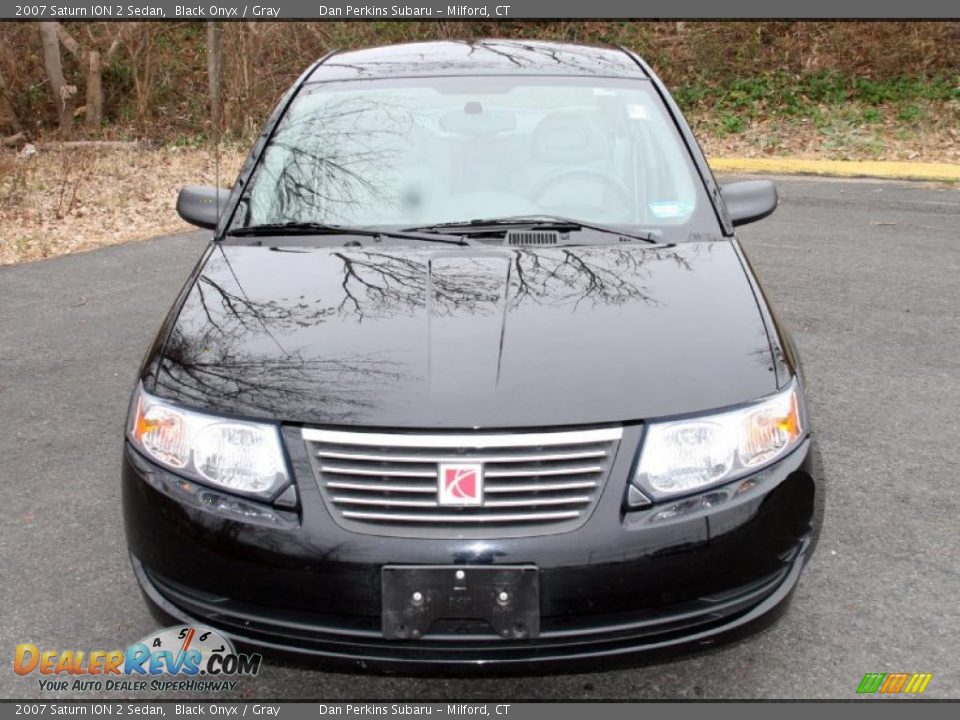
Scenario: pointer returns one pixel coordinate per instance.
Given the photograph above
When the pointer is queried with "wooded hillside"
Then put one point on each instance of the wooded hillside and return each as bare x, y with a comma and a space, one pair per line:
151, 80
845, 90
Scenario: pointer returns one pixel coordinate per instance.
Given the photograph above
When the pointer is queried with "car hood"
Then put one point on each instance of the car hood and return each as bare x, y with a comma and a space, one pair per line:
451, 337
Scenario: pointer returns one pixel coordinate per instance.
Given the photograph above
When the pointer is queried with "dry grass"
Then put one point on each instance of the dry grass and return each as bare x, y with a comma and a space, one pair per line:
750, 89
843, 132
53, 203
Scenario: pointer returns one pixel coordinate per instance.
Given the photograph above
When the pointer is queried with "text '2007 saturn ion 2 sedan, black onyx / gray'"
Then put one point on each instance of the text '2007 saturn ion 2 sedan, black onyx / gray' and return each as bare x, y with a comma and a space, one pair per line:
474, 372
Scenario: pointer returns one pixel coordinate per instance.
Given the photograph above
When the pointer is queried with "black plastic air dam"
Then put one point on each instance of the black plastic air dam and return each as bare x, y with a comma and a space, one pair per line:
620, 644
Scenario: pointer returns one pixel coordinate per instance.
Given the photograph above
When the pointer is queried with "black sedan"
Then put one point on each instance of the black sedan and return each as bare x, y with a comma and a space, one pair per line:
474, 372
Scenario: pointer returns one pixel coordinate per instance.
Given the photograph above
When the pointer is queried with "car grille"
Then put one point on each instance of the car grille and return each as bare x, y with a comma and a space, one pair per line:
533, 483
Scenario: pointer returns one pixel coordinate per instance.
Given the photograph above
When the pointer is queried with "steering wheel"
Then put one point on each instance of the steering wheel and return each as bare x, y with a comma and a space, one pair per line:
611, 185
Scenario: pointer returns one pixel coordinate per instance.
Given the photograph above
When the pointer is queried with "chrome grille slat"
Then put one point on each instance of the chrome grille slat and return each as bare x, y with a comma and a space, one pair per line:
535, 472
383, 472
380, 487
543, 472
387, 483
549, 457
575, 500
540, 487
384, 502
474, 440
489, 518
524, 502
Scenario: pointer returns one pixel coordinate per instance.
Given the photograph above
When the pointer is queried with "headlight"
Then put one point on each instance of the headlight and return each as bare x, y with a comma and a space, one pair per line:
689, 455
242, 457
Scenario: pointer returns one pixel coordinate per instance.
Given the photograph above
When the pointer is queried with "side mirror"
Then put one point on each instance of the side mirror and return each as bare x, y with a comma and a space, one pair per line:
749, 200
201, 205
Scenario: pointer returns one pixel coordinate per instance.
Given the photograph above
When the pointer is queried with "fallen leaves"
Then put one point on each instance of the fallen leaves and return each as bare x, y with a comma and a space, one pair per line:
53, 203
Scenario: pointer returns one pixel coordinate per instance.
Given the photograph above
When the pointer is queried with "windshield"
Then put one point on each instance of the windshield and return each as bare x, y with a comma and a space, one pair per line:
411, 153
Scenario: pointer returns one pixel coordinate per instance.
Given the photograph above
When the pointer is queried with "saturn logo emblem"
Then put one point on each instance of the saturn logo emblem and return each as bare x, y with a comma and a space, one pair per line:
460, 484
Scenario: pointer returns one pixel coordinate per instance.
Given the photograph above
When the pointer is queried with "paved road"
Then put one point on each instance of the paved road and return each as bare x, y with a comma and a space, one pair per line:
868, 276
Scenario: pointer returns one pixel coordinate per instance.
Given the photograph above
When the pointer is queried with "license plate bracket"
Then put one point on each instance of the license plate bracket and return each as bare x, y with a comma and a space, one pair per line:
506, 597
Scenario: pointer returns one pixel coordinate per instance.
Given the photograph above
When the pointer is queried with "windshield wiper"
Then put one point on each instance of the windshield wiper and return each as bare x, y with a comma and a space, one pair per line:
312, 228
534, 222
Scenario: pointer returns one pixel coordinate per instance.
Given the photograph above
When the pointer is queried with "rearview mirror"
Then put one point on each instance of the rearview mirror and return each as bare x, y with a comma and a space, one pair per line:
201, 205
749, 200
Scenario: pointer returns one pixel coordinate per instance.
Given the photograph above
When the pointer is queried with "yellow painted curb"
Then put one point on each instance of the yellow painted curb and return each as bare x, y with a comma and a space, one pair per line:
840, 168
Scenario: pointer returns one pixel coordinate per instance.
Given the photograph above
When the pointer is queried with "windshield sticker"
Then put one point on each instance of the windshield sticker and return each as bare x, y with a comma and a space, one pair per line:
671, 208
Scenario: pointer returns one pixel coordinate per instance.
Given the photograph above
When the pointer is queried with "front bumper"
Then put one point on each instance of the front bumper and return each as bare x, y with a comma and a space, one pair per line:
618, 586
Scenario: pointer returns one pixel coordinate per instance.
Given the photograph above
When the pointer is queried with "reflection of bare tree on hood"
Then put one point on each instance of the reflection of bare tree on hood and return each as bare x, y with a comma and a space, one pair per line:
605, 275
215, 362
216, 366
233, 306
380, 284
216, 359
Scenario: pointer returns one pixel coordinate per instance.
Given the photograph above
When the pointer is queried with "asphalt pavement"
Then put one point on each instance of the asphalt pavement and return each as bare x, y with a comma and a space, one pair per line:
867, 275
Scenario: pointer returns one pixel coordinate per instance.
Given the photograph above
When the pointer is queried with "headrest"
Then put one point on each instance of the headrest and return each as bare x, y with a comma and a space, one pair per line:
568, 138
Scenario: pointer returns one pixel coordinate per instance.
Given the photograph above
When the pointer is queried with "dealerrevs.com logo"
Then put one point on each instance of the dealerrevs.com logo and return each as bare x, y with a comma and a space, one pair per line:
184, 657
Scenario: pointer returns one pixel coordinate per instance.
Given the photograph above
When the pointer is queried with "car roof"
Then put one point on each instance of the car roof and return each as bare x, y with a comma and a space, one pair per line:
477, 57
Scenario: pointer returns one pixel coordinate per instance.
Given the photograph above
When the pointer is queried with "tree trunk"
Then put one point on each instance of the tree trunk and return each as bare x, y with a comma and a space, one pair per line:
62, 93
94, 91
93, 62
14, 139
214, 54
7, 113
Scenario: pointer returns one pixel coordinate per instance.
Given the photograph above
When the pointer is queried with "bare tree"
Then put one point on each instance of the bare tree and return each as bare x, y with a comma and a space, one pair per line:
7, 114
91, 60
62, 93
139, 45
214, 64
